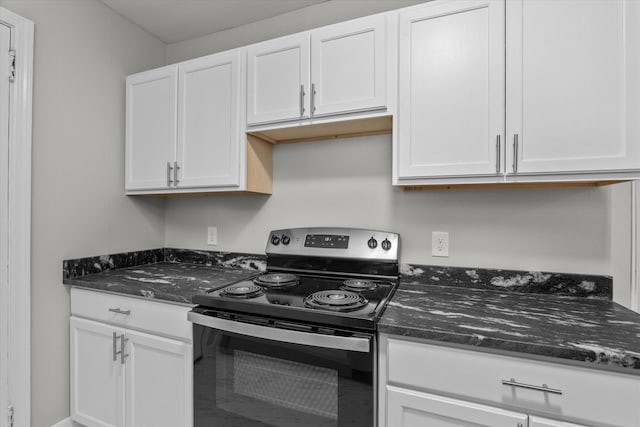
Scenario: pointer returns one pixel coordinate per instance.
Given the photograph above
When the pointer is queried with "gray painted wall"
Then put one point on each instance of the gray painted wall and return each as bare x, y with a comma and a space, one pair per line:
347, 182
83, 51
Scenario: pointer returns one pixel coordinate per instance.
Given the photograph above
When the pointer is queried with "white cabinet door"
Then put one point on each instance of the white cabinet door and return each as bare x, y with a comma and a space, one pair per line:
573, 85
278, 80
208, 149
158, 381
544, 422
407, 408
151, 118
451, 89
97, 394
348, 63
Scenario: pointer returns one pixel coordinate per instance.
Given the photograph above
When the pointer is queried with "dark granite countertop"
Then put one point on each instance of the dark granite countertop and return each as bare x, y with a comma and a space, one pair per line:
585, 330
167, 281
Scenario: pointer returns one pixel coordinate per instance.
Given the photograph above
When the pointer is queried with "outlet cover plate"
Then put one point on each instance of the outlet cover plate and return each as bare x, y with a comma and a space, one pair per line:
212, 236
440, 244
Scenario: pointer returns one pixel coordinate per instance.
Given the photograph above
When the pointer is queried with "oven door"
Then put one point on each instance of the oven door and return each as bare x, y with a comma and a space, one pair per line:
251, 375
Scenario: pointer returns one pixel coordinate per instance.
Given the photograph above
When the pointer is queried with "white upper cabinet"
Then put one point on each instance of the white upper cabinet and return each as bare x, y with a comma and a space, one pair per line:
573, 85
451, 89
569, 77
184, 127
150, 127
208, 147
278, 79
332, 70
348, 66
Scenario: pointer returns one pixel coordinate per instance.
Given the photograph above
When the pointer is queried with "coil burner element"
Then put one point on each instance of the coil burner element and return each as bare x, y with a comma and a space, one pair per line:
277, 280
335, 300
242, 291
358, 285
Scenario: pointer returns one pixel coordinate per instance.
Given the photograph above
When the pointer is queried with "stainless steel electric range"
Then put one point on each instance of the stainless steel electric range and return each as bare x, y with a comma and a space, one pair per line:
296, 346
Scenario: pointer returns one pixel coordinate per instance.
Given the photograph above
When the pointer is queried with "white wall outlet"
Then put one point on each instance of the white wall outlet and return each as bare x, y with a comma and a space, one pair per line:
212, 236
440, 243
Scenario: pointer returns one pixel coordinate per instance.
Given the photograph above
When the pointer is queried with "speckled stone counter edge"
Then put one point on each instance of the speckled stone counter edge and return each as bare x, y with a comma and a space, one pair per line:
98, 264
620, 362
562, 284
592, 359
565, 284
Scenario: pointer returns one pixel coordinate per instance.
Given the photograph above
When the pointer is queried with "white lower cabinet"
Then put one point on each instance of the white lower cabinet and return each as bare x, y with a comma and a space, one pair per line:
407, 408
543, 422
97, 385
426, 385
158, 381
123, 373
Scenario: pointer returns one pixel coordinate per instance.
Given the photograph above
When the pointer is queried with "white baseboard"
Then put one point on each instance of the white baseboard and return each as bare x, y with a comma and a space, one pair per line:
66, 423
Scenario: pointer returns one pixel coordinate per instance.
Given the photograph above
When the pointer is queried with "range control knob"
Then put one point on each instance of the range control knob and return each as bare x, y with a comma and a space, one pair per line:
386, 244
372, 243
275, 240
285, 239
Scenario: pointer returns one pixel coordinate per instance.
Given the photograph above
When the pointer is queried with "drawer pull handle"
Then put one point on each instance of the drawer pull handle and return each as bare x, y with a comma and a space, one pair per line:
544, 388
118, 311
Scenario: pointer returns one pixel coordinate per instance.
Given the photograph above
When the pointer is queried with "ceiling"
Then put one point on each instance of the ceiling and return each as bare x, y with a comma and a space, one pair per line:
174, 21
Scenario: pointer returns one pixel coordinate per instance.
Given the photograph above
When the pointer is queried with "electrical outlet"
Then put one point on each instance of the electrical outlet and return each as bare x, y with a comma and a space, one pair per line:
212, 236
440, 243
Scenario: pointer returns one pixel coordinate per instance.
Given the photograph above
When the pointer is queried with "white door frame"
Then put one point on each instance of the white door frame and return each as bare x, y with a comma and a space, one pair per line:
635, 246
15, 295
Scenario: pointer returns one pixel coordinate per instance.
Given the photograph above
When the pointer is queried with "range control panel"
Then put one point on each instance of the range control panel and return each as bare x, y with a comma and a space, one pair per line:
334, 242
326, 241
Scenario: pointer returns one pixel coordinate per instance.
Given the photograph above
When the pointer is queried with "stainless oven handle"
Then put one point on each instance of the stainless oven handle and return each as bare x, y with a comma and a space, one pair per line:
283, 335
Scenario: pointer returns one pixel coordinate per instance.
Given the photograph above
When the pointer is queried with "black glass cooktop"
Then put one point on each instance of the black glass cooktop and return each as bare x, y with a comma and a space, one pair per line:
336, 301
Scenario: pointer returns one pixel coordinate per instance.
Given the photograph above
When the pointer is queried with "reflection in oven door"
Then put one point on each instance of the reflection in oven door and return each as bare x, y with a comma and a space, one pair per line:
244, 381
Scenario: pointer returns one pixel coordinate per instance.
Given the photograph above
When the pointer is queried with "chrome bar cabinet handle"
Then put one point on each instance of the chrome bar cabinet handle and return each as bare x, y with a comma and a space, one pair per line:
119, 311
115, 344
302, 94
515, 153
123, 342
544, 388
175, 174
498, 147
169, 169
313, 98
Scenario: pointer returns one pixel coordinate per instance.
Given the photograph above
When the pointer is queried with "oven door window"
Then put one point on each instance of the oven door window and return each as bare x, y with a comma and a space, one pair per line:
242, 381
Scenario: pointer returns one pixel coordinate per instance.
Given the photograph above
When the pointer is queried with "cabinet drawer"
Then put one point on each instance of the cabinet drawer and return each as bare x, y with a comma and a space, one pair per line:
593, 396
150, 316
